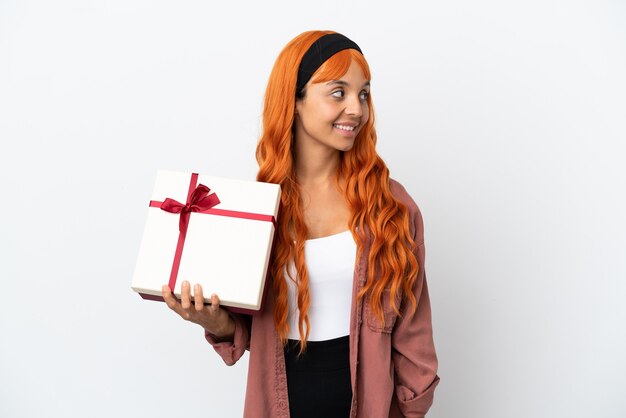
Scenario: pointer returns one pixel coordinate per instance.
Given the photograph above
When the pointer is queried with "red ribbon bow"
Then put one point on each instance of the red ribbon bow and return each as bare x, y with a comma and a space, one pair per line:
199, 201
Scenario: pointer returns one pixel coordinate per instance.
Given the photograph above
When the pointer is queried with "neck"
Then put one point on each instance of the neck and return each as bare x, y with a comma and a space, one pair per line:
316, 164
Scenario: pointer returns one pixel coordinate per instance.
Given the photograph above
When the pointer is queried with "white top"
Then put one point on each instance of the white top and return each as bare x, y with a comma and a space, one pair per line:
330, 264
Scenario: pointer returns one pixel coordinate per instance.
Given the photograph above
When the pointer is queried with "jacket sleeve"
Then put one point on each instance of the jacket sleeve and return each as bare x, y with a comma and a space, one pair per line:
413, 351
231, 351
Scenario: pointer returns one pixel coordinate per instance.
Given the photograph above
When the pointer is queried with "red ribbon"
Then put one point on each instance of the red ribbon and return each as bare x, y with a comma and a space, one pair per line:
198, 200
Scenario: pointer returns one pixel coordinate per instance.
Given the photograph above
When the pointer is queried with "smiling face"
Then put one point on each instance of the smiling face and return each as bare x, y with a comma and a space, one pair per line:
332, 113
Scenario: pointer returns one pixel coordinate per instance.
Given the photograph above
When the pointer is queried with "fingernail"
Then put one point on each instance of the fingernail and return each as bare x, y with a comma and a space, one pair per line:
185, 283
196, 287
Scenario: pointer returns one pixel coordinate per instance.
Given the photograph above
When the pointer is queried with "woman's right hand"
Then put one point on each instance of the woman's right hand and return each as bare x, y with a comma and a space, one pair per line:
212, 318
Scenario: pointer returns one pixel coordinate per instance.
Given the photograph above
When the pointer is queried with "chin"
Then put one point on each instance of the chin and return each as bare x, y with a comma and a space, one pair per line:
346, 148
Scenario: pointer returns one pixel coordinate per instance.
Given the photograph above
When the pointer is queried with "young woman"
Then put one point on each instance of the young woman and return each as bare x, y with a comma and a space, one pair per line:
345, 330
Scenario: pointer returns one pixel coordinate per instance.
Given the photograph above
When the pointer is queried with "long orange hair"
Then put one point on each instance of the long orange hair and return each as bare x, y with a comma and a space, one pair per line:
392, 262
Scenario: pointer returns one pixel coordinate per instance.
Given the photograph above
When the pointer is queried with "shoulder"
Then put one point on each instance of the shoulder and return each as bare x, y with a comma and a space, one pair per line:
416, 223
399, 192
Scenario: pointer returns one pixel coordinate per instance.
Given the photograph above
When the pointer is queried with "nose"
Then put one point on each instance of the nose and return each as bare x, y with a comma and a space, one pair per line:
354, 106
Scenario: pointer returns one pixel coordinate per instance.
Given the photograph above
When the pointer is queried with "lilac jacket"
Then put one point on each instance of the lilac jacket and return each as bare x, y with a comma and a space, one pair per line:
393, 366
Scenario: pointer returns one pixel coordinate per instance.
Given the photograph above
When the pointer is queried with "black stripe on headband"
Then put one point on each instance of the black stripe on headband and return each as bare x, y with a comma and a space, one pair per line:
322, 49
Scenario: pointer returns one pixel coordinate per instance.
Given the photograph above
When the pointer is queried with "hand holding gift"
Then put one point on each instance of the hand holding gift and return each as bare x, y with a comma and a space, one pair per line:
212, 318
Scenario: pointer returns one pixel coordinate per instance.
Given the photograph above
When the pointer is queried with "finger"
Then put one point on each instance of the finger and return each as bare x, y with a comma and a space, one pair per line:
169, 298
198, 297
185, 295
215, 303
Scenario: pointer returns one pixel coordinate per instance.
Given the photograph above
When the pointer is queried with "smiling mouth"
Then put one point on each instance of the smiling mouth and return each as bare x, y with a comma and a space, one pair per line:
345, 127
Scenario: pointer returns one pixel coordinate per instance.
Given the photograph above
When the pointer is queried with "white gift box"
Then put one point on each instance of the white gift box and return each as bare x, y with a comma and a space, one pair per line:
226, 248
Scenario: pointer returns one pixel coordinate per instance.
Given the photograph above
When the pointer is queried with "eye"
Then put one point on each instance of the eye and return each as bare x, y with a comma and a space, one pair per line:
364, 95
337, 93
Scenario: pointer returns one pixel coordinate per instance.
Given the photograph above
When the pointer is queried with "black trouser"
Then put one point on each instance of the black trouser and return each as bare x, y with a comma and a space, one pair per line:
319, 381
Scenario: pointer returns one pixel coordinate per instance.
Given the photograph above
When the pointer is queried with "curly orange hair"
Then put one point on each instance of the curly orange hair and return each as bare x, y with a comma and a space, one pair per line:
392, 262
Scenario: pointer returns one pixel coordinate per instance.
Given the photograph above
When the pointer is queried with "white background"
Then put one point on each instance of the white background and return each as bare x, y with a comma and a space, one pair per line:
504, 120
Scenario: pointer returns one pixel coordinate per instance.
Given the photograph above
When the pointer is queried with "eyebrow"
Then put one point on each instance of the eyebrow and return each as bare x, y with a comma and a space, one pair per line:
344, 83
